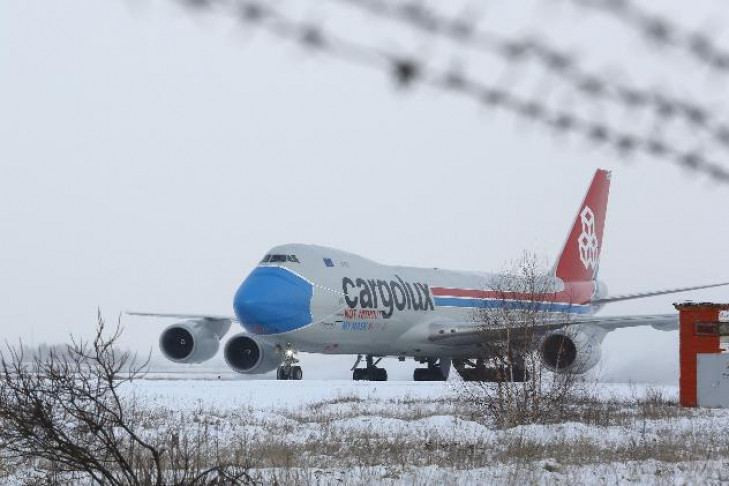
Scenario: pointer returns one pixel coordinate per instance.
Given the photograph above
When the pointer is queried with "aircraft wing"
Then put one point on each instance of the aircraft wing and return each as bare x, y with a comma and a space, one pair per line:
465, 332
642, 295
205, 317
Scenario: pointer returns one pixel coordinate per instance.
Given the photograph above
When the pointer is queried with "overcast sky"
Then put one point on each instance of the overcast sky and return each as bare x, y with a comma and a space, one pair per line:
149, 158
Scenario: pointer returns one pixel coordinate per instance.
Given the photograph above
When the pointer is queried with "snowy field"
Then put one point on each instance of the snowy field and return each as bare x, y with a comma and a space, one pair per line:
322, 432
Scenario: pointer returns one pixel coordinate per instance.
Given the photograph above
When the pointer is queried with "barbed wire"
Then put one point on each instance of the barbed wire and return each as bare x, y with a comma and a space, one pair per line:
661, 31
559, 62
420, 16
409, 70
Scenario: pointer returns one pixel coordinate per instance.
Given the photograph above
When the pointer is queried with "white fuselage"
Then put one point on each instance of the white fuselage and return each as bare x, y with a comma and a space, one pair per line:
358, 306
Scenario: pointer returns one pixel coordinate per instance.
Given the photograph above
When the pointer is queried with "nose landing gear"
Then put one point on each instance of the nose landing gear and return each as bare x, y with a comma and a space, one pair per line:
289, 370
371, 372
290, 373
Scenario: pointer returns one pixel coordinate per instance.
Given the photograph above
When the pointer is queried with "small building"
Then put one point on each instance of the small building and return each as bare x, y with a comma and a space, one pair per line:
704, 354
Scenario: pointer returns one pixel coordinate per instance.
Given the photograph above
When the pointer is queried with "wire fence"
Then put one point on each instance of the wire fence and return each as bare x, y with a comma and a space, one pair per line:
490, 67
661, 31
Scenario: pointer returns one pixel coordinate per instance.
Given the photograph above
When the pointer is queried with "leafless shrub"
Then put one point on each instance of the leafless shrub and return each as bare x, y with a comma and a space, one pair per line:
653, 404
513, 385
63, 420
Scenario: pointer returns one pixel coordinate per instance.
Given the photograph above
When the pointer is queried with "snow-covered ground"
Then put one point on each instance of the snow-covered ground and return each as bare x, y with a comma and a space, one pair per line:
422, 433
183, 394
278, 395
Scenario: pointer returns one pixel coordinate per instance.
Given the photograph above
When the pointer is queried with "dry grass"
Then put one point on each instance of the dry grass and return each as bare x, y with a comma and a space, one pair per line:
349, 438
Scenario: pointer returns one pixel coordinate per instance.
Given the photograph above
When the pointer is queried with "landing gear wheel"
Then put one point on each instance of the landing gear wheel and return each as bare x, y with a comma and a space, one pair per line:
434, 372
477, 371
296, 373
474, 370
282, 373
428, 374
369, 373
378, 374
420, 374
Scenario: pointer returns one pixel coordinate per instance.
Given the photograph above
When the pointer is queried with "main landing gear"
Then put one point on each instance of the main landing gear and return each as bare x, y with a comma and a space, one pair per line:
476, 370
371, 372
289, 370
437, 370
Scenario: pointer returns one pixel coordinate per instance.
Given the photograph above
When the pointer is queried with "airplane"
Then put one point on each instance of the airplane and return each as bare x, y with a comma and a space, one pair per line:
313, 299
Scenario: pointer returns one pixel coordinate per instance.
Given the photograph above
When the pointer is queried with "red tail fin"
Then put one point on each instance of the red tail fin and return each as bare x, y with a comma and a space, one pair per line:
580, 256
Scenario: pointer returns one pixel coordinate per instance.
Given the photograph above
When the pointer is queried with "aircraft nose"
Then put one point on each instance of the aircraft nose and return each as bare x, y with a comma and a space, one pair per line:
273, 300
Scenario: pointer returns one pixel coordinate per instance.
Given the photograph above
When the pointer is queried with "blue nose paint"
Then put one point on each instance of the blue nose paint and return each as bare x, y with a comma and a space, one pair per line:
273, 300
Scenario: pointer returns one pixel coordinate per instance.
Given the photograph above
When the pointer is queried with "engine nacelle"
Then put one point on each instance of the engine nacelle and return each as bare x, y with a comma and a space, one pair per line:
247, 354
574, 349
193, 341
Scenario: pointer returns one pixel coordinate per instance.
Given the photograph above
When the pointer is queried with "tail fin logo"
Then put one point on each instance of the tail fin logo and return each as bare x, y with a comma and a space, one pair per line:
579, 260
587, 241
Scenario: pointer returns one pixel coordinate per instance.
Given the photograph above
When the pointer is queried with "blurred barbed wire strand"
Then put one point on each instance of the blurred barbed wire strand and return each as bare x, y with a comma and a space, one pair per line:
661, 31
408, 70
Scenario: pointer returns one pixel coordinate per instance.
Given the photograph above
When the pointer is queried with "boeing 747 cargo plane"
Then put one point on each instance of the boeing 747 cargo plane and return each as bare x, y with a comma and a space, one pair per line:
321, 300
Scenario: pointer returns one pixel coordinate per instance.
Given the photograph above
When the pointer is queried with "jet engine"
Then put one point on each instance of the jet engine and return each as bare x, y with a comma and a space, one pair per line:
247, 354
574, 349
193, 341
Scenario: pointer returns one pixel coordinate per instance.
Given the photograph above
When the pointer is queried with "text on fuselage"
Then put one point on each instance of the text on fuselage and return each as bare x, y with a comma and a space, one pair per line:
386, 296
361, 314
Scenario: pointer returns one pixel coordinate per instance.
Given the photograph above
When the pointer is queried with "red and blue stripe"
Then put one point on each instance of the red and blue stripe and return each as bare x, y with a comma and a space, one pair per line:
562, 301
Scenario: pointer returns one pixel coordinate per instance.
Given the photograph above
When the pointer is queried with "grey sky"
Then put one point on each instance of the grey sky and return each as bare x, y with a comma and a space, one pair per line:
148, 159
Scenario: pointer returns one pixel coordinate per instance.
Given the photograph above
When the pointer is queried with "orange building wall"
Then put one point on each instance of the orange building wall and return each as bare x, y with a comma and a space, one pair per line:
690, 345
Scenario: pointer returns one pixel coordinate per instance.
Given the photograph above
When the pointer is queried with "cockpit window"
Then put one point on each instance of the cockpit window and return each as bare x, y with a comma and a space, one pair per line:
280, 259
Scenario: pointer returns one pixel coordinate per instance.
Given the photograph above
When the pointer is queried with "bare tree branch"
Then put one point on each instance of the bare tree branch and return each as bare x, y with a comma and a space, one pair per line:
63, 416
